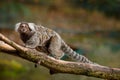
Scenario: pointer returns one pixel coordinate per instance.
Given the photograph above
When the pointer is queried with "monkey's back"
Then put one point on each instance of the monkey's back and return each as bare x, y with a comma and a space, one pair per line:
44, 34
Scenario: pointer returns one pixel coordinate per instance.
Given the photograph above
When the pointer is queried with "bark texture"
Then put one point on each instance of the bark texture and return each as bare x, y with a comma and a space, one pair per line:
59, 66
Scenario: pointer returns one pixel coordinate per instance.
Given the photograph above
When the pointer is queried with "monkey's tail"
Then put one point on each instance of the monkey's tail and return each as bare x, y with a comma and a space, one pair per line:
72, 54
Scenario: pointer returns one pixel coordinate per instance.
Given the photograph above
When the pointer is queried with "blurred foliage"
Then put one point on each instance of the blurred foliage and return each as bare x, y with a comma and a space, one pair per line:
10, 69
109, 7
10, 11
63, 13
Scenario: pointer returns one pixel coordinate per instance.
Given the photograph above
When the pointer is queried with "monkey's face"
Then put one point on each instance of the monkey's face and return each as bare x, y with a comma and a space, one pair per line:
24, 28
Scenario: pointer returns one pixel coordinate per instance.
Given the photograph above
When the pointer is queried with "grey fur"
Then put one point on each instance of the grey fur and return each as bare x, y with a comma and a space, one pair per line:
57, 46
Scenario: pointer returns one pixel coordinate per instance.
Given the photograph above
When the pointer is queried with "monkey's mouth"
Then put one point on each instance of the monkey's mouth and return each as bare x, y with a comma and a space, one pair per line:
23, 30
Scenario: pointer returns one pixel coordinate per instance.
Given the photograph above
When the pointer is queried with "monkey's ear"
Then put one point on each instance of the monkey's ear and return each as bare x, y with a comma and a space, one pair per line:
32, 26
17, 26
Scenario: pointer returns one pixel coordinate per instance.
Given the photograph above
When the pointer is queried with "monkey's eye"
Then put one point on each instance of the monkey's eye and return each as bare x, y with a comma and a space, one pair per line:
23, 25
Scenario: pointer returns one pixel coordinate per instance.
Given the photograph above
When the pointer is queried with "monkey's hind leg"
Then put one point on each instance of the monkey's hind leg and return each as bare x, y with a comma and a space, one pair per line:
54, 47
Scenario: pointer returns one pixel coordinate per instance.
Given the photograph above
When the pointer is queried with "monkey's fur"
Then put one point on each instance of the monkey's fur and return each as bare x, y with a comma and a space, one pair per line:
37, 36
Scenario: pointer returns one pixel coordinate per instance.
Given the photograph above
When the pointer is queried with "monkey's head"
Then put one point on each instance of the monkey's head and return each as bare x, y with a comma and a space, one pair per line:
24, 27
26, 30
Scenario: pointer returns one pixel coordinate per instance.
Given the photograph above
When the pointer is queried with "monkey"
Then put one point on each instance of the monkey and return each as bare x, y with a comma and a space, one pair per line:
37, 36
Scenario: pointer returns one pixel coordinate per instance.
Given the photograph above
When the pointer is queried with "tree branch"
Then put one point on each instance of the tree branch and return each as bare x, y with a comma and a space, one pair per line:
60, 66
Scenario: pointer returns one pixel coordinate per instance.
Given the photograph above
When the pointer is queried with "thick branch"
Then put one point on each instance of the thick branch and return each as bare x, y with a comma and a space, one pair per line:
59, 65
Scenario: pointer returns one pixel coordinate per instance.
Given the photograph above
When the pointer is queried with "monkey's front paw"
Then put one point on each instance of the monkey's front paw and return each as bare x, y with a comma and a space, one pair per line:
23, 45
31, 47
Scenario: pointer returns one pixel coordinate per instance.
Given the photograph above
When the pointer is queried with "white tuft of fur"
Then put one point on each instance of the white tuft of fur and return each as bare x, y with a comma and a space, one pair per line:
32, 26
17, 26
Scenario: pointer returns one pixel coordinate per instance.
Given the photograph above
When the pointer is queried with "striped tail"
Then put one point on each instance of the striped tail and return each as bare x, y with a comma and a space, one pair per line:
72, 54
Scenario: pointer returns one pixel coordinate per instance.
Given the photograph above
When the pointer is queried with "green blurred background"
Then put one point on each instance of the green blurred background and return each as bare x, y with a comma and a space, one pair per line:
90, 27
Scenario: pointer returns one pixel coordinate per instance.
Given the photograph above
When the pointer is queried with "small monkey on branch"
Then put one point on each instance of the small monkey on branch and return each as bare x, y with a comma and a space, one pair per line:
36, 37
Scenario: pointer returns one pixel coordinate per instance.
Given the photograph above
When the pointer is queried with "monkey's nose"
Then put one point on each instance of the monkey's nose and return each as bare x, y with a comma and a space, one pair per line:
23, 30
